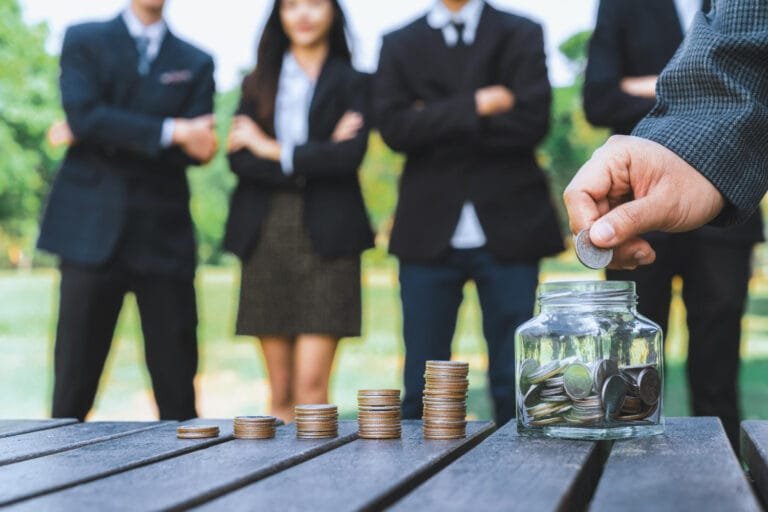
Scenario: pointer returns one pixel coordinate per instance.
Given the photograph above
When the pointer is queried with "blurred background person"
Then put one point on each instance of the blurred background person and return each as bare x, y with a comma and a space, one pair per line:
463, 92
297, 219
138, 103
631, 44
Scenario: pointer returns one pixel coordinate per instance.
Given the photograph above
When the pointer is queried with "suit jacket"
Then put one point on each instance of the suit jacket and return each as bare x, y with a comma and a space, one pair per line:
324, 171
453, 155
637, 38
119, 193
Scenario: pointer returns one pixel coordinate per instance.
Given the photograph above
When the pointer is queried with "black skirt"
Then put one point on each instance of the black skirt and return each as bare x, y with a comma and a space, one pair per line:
288, 289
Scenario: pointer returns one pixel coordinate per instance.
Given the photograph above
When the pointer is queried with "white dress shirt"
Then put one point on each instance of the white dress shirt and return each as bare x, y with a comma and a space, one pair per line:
469, 233
155, 33
294, 98
686, 11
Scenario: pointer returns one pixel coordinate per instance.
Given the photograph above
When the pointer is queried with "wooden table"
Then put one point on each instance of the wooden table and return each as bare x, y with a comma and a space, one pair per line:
64, 465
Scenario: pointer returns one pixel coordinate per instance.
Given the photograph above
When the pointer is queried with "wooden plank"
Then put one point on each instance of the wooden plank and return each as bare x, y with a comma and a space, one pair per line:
45, 442
15, 427
754, 454
191, 478
511, 472
363, 474
690, 467
42, 475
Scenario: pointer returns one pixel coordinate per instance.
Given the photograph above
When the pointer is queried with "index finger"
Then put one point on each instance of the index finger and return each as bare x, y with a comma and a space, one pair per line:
586, 196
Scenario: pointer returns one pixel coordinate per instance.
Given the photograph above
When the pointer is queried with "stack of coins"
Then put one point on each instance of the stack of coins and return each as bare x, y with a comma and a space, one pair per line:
569, 391
197, 431
378, 414
254, 427
445, 399
316, 421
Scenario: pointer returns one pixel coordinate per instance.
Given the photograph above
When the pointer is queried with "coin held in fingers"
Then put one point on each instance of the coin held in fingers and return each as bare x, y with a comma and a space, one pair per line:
590, 255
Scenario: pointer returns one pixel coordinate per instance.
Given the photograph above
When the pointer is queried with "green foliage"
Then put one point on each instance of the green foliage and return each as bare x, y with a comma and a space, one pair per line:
28, 105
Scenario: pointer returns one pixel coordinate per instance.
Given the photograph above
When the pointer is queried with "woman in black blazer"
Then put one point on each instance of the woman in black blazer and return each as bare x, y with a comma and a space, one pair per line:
297, 218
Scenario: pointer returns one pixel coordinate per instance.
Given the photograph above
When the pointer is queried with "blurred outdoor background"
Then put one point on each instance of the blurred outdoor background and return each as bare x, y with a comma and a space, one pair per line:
232, 379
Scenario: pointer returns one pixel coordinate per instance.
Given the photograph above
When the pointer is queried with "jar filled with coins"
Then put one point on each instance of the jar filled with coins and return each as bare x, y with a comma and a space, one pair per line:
588, 365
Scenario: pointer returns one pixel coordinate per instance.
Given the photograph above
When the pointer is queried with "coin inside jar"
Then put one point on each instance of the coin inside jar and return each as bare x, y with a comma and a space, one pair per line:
577, 381
613, 393
649, 384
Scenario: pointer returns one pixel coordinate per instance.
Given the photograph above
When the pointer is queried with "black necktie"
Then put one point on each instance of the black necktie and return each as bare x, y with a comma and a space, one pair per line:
142, 45
460, 32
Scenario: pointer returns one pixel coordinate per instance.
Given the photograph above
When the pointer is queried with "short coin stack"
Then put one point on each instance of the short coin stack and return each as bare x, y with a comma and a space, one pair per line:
378, 413
445, 399
254, 427
316, 421
197, 431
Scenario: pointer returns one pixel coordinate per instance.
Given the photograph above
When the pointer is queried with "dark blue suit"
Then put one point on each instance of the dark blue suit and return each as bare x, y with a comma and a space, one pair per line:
118, 212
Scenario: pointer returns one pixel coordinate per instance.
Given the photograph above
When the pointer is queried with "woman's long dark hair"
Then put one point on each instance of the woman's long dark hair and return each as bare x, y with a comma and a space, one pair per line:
260, 86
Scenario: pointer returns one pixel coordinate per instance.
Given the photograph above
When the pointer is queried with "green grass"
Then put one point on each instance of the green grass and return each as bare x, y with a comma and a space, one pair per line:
232, 378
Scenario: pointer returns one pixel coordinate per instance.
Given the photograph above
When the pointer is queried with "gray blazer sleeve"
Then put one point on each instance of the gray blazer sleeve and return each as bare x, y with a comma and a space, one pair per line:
712, 107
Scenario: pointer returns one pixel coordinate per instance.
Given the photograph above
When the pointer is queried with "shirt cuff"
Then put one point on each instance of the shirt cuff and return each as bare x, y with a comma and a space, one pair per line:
166, 136
286, 157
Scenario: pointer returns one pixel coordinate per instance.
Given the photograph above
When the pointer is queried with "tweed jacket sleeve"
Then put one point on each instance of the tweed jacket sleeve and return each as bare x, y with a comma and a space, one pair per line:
712, 107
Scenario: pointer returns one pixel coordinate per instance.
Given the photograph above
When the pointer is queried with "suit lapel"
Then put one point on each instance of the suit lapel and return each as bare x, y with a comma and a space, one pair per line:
326, 86
125, 50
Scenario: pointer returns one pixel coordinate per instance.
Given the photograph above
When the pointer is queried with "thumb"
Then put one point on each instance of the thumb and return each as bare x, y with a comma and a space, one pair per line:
627, 221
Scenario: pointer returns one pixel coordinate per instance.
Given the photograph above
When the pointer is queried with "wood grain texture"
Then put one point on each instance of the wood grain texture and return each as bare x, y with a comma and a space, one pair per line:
362, 475
15, 427
754, 454
50, 473
179, 482
512, 472
690, 467
68, 437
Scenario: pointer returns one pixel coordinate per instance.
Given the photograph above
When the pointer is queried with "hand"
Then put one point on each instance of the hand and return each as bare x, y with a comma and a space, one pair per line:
493, 100
631, 186
348, 127
246, 134
59, 134
196, 137
642, 86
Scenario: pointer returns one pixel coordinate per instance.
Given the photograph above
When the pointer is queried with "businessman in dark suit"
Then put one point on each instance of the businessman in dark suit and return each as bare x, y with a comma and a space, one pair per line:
631, 44
138, 102
463, 92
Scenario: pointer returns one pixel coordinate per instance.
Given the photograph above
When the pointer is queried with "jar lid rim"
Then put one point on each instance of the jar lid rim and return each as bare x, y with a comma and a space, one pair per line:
616, 290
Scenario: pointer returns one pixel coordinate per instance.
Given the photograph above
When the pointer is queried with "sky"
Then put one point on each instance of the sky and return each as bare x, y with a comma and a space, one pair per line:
228, 29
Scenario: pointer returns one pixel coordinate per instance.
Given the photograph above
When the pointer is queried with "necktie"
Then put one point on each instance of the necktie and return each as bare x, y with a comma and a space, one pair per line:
142, 45
460, 32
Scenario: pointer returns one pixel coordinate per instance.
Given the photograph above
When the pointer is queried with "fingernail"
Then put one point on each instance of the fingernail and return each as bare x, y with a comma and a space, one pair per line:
642, 257
601, 231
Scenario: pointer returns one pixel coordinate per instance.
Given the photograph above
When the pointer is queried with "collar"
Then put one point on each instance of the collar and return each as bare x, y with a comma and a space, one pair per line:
292, 69
136, 28
440, 18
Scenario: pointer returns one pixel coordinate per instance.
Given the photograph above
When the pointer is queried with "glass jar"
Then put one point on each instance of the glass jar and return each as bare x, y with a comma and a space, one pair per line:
588, 365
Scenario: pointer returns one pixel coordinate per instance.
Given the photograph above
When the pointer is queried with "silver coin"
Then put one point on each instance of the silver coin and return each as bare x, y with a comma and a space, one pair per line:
602, 370
613, 393
649, 384
578, 381
532, 397
590, 255
527, 367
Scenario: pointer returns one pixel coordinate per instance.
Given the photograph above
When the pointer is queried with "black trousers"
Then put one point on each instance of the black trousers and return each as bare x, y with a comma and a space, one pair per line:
431, 295
90, 302
715, 285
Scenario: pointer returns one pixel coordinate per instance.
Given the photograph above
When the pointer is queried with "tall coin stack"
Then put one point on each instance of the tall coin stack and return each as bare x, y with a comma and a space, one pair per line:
254, 427
316, 421
378, 414
445, 399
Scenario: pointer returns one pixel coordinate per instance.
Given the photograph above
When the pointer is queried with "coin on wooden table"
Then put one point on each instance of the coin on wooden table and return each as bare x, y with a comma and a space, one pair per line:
197, 431
316, 421
254, 427
589, 254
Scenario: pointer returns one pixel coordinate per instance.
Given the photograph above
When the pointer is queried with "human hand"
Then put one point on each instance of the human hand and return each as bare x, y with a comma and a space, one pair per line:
631, 186
493, 100
60, 134
247, 134
196, 137
642, 86
348, 127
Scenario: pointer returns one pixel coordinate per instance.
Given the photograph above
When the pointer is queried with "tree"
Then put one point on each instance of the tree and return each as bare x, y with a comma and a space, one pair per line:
28, 105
